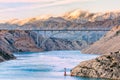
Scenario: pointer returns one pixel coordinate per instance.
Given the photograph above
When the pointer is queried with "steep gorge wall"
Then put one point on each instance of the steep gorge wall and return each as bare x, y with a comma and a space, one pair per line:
109, 42
26, 41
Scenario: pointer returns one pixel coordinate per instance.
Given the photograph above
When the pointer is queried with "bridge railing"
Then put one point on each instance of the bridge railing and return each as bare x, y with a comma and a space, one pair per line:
86, 29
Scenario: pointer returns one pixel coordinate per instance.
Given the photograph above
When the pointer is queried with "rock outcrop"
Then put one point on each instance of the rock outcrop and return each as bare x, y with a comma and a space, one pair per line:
109, 42
105, 66
6, 56
14, 41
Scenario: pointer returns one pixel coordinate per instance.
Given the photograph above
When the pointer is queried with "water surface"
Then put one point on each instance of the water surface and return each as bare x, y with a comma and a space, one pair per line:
43, 66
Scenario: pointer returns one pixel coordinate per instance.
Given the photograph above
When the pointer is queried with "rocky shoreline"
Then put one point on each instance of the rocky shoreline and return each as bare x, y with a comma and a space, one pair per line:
5, 56
106, 66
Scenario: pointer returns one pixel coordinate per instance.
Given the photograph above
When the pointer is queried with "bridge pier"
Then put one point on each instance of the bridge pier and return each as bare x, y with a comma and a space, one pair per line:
37, 40
87, 37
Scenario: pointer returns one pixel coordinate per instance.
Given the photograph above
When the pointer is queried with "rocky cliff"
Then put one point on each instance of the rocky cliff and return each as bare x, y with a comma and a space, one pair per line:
105, 66
6, 56
31, 41
109, 42
14, 41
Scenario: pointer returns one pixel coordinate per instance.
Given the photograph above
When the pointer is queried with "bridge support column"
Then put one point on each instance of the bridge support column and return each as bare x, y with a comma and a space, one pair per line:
37, 36
87, 37
45, 34
30, 33
96, 35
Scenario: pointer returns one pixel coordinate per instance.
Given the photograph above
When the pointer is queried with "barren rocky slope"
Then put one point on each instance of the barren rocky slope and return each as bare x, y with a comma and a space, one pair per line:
105, 66
14, 41
26, 41
110, 42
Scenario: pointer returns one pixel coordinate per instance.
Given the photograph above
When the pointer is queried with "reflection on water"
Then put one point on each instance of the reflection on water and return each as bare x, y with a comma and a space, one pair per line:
43, 66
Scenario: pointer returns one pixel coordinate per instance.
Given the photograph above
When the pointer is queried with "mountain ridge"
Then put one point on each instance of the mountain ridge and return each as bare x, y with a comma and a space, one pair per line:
78, 16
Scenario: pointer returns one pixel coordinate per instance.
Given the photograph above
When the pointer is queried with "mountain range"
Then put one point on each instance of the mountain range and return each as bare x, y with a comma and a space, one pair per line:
75, 19
16, 40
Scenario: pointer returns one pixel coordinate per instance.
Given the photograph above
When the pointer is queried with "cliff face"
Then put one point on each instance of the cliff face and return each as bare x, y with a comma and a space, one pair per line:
14, 41
28, 41
105, 66
110, 42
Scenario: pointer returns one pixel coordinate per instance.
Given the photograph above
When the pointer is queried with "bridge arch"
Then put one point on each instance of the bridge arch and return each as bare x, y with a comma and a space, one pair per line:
67, 32
59, 32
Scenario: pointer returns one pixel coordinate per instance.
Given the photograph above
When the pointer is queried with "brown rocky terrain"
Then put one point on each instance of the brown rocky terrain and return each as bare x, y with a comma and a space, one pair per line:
105, 66
110, 42
14, 41
26, 41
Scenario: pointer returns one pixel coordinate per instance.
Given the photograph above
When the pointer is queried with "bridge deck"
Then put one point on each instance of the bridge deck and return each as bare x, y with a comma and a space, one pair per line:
58, 29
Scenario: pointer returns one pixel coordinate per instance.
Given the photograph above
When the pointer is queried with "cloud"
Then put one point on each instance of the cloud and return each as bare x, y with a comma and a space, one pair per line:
25, 1
31, 1
47, 3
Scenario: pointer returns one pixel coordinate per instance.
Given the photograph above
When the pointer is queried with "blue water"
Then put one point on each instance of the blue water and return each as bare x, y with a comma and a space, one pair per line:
43, 66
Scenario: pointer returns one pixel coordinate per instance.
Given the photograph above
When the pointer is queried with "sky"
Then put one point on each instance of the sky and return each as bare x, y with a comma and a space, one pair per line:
21, 9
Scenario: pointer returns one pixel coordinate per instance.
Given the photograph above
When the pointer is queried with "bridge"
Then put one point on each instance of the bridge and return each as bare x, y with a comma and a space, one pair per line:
82, 29
47, 33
